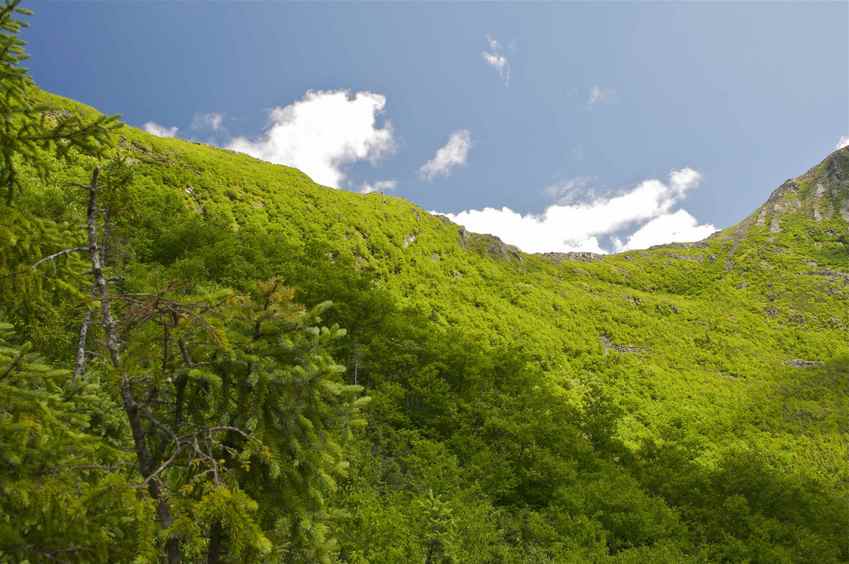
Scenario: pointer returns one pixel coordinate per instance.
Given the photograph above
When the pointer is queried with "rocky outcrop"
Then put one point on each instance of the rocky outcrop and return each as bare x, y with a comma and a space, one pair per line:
608, 345
489, 245
800, 363
581, 256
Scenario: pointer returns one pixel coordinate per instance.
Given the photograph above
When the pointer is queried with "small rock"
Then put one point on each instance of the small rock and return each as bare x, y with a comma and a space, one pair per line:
800, 363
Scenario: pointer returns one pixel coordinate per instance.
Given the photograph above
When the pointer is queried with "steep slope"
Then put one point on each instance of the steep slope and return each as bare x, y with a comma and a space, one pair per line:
706, 333
735, 345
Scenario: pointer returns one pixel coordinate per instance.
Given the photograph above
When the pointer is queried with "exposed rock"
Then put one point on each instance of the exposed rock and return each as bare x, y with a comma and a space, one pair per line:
409, 240
819, 196
737, 237
761, 217
464, 235
800, 363
608, 345
774, 225
489, 244
682, 245
581, 256
143, 152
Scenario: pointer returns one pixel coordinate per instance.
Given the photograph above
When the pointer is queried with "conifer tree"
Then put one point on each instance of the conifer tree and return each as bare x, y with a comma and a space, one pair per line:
63, 489
27, 127
236, 411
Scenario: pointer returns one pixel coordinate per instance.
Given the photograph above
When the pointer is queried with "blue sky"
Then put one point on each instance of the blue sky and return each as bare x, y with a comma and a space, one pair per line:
554, 126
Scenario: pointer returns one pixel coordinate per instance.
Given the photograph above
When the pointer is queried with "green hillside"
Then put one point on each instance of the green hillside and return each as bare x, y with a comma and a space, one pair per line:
685, 403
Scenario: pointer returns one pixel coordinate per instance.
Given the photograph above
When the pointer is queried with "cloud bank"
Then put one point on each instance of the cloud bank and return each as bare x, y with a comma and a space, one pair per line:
496, 59
448, 157
160, 130
322, 133
579, 226
675, 227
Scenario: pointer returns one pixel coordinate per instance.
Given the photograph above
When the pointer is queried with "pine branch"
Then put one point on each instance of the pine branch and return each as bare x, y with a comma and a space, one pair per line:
15, 363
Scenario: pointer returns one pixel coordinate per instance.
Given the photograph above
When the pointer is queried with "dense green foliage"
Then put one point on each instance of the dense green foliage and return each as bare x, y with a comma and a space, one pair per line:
689, 403
26, 126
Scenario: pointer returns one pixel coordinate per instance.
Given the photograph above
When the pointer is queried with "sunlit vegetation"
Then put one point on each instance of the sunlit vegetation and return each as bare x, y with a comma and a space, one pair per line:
292, 373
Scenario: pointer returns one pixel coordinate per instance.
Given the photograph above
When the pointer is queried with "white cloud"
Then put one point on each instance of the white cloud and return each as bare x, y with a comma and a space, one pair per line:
379, 186
497, 60
212, 121
678, 227
160, 130
578, 226
599, 95
451, 155
322, 133
842, 142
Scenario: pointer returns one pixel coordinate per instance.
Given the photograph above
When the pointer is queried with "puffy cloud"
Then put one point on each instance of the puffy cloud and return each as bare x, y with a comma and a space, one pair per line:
379, 186
579, 226
451, 155
842, 142
322, 133
212, 121
496, 59
678, 227
160, 130
599, 95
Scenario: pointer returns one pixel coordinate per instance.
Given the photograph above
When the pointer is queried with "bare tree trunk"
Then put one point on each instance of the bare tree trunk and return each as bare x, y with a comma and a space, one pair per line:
145, 461
100, 287
79, 364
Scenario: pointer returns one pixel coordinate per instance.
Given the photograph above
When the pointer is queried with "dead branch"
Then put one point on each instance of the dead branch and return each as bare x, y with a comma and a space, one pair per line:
56, 255
79, 364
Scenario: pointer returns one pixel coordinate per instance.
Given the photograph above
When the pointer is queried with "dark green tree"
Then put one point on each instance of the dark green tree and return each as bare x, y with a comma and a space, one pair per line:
235, 410
64, 493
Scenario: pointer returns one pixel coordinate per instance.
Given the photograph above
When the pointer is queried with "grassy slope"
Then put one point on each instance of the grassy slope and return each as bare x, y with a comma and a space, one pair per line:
706, 331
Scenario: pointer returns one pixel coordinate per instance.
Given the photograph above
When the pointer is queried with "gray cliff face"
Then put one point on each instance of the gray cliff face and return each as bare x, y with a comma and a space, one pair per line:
821, 194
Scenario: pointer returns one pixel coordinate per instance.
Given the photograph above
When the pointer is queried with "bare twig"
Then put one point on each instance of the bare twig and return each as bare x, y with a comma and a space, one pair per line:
164, 465
61, 253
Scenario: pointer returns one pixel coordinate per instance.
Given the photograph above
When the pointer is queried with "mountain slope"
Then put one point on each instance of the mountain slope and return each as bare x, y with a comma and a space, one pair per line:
714, 326
734, 347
